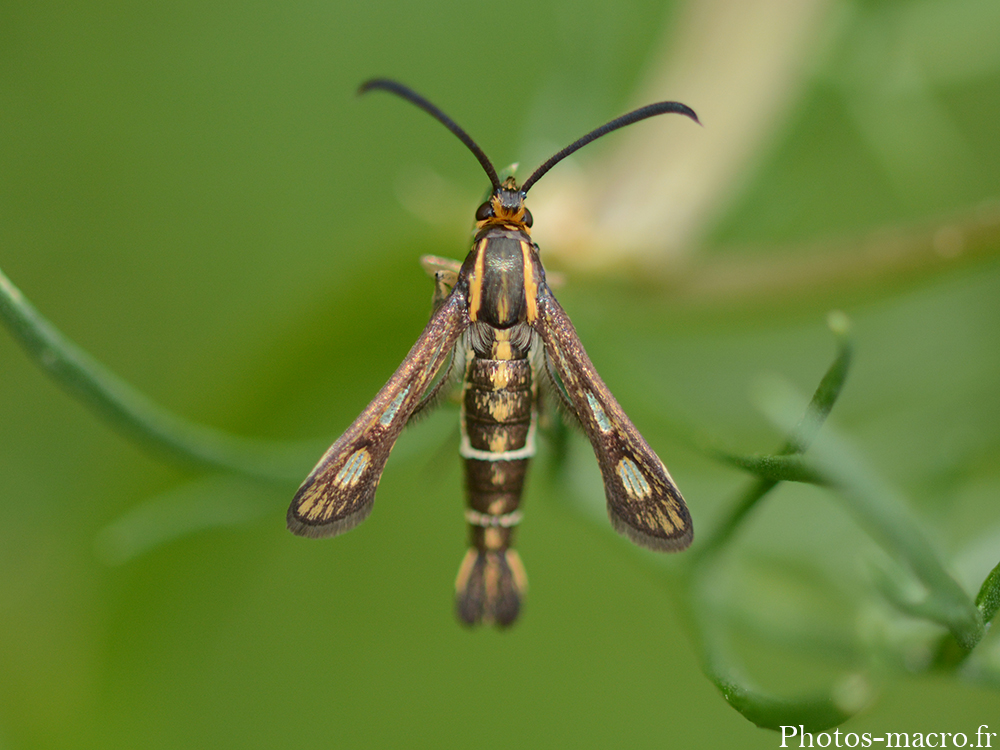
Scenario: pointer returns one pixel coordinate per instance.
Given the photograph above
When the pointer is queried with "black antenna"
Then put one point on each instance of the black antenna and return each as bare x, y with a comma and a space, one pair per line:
394, 87
650, 110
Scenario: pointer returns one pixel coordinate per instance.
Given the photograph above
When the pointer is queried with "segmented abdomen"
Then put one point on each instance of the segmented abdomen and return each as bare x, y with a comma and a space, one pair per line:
497, 441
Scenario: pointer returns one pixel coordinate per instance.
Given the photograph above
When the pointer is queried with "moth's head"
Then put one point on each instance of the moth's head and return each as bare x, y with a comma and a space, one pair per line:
505, 206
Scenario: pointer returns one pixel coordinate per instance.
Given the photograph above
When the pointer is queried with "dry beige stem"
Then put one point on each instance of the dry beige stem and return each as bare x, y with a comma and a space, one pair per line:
740, 65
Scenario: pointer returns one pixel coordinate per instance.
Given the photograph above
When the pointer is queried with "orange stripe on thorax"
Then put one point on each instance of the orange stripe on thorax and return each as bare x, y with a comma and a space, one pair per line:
476, 282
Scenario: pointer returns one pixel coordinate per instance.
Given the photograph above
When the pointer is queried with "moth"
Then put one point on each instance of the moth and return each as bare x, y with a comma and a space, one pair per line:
497, 327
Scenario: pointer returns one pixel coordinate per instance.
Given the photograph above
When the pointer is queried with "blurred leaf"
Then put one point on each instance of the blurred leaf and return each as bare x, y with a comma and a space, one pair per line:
210, 503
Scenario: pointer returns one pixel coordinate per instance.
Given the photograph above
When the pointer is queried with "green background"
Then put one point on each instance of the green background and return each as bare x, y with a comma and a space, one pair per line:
192, 193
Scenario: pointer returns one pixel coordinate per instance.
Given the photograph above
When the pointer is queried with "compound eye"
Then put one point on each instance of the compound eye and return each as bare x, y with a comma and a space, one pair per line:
484, 212
527, 218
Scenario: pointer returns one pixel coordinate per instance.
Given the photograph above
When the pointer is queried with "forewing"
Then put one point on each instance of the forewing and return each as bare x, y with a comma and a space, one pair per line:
339, 493
644, 504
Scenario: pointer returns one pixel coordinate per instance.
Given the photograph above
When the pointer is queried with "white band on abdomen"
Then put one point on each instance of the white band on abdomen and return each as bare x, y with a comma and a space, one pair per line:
486, 520
466, 450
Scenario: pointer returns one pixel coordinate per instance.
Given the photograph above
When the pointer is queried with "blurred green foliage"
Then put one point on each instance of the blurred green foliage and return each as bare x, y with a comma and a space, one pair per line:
193, 195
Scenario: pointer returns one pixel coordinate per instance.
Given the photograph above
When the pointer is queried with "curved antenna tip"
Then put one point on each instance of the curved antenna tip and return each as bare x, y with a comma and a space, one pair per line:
379, 83
650, 110
405, 92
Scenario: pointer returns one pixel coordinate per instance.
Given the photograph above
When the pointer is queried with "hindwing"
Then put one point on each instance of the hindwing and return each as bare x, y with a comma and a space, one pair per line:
644, 504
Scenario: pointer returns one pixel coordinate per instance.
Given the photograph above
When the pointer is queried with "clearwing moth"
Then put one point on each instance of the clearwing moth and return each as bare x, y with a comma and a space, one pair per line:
497, 327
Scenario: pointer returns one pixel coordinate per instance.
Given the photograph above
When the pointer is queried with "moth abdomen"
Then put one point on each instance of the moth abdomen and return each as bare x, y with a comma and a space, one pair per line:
498, 422
503, 407
486, 479
490, 587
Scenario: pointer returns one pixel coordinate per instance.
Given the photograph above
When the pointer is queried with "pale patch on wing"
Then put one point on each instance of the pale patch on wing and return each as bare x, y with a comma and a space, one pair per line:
675, 519
632, 479
355, 467
307, 505
391, 409
599, 415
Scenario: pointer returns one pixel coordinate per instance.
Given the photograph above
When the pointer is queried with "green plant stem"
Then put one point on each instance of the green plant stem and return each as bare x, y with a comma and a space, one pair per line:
819, 711
772, 469
988, 599
815, 712
775, 468
951, 653
135, 414
721, 534
883, 513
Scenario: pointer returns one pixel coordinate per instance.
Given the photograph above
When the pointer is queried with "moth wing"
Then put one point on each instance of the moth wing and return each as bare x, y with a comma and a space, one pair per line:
338, 494
644, 504
444, 271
